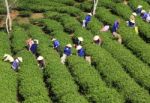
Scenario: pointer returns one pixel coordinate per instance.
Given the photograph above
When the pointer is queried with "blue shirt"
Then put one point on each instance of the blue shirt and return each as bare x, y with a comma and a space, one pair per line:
15, 64
144, 16
33, 48
81, 52
131, 24
138, 11
115, 26
56, 44
88, 18
67, 51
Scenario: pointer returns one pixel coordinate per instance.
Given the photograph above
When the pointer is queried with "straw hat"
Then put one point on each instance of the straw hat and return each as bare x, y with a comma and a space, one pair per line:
69, 45
139, 6
5, 55
20, 59
96, 37
131, 20
37, 41
90, 14
134, 14
78, 47
143, 11
40, 58
53, 39
80, 39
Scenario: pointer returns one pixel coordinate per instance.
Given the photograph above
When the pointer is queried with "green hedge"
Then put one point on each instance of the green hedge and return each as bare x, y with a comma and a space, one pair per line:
59, 79
30, 77
8, 78
130, 39
91, 83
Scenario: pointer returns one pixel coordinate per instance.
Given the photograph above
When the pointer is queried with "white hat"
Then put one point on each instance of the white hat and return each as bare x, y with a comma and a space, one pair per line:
69, 45
143, 11
139, 6
5, 55
90, 14
40, 58
96, 37
80, 38
37, 41
134, 14
131, 20
20, 59
53, 39
78, 47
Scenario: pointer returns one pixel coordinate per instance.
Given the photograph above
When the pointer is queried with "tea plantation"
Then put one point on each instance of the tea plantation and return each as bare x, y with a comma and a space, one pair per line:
119, 73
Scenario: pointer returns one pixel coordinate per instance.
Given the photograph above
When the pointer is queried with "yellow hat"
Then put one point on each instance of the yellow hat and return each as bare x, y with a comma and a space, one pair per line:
20, 59
80, 38
69, 45
78, 47
96, 37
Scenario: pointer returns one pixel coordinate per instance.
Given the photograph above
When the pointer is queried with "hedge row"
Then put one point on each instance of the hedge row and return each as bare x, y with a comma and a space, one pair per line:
31, 85
59, 79
130, 39
125, 12
8, 80
91, 83
131, 64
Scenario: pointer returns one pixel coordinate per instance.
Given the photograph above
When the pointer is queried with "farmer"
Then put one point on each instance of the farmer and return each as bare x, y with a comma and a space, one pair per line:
56, 44
97, 40
29, 43
77, 41
34, 46
114, 31
67, 52
80, 51
87, 20
144, 14
41, 62
131, 22
139, 9
8, 58
16, 63
105, 28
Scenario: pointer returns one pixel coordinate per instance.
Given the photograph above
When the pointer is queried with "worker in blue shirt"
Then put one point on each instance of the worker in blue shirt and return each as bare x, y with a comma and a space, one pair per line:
131, 22
56, 45
77, 41
34, 46
80, 51
16, 63
67, 52
114, 31
144, 14
139, 9
87, 20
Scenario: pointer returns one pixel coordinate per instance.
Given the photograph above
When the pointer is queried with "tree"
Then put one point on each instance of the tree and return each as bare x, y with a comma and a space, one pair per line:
8, 17
94, 7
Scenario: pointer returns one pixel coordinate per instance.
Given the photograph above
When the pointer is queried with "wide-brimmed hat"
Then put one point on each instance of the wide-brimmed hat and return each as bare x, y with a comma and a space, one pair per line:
69, 45
132, 21
80, 39
40, 58
89, 14
134, 14
96, 37
37, 41
5, 55
78, 47
20, 59
139, 6
53, 39
143, 11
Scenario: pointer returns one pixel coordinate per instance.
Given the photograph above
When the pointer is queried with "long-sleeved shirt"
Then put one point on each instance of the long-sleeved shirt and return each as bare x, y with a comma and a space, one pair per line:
88, 18
138, 11
144, 16
67, 51
115, 26
81, 52
56, 44
15, 64
33, 48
